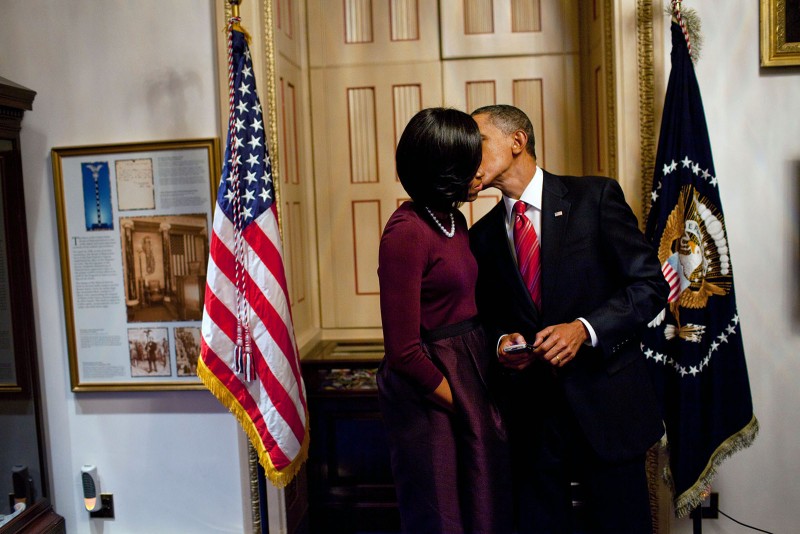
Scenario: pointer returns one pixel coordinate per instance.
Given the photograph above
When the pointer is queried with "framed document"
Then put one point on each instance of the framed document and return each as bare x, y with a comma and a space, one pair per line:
133, 224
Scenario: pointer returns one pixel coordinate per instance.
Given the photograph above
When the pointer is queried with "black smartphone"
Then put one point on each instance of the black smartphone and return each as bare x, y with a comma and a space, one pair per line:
521, 347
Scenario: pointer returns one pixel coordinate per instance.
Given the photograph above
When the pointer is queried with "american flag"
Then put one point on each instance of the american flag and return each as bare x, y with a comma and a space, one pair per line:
249, 357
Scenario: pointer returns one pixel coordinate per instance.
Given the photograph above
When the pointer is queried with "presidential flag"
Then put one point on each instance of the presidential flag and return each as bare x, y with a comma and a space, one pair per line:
694, 347
249, 357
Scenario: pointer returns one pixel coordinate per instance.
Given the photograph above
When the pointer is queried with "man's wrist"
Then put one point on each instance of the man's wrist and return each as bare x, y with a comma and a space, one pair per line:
499, 342
591, 337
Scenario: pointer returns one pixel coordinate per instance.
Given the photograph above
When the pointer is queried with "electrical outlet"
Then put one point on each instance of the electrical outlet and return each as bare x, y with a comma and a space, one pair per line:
106, 506
709, 509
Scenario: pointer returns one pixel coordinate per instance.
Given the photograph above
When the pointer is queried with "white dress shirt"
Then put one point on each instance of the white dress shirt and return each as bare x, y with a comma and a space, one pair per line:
532, 196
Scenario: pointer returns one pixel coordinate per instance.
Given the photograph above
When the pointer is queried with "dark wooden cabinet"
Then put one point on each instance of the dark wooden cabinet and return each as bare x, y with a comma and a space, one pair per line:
21, 442
350, 486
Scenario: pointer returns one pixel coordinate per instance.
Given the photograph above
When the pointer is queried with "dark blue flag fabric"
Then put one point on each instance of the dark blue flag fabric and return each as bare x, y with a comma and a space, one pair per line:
694, 347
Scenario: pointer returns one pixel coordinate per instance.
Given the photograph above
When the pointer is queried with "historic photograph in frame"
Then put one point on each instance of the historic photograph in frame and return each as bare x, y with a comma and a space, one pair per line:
134, 222
780, 33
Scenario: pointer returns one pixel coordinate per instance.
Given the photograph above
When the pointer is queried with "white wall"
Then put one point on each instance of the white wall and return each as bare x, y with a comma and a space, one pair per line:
753, 117
117, 72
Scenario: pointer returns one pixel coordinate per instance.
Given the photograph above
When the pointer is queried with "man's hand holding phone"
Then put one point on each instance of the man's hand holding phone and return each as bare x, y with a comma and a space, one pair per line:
514, 352
520, 347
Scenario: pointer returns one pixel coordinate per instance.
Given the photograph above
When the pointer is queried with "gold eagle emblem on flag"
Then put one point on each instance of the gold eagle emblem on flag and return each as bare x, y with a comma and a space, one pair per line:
693, 251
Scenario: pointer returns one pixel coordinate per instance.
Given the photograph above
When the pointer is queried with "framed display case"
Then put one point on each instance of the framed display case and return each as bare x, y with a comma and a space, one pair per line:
134, 224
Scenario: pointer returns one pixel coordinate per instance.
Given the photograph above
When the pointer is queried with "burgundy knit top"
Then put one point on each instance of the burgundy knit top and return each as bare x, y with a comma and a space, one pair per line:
427, 281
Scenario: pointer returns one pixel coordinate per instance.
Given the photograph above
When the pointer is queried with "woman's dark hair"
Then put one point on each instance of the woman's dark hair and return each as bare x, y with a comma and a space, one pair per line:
437, 157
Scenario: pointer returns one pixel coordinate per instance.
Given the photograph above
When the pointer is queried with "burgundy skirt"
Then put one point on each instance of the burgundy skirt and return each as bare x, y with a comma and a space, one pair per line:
451, 470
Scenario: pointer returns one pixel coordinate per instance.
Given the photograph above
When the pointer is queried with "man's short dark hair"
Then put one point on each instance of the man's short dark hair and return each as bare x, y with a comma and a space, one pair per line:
437, 157
508, 120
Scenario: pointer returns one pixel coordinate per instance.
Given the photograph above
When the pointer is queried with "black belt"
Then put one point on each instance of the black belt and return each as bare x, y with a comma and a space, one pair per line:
450, 330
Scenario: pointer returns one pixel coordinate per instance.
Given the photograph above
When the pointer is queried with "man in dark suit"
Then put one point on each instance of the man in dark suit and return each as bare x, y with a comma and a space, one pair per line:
578, 402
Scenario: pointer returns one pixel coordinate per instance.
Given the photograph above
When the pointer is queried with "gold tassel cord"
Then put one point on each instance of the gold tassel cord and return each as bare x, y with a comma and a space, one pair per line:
280, 478
689, 22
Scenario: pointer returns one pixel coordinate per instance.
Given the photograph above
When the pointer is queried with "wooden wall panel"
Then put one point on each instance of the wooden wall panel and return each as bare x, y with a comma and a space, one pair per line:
514, 27
289, 118
284, 19
528, 95
296, 196
478, 17
357, 21
300, 242
545, 87
404, 17
288, 15
480, 206
479, 94
359, 32
406, 102
362, 134
597, 152
367, 229
296, 226
526, 16
351, 213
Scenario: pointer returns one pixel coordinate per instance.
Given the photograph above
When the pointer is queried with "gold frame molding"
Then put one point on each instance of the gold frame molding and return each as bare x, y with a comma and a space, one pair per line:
611, 88
647, 116
776, 51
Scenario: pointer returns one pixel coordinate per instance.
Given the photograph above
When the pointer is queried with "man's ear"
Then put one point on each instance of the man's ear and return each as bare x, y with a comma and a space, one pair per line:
520, 141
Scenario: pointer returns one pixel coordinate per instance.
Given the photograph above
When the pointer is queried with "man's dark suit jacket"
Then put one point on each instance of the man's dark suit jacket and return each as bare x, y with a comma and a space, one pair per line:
596, 264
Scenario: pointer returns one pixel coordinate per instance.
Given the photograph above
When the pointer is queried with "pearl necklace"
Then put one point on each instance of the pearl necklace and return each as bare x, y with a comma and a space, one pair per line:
452, 231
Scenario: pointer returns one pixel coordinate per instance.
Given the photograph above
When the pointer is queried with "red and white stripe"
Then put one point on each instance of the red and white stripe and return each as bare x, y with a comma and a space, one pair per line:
673, 279
526, 245
275, 400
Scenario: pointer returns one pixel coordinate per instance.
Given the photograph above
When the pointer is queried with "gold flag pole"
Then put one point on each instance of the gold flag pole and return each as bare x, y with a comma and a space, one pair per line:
234, 7
255, 494
235, 15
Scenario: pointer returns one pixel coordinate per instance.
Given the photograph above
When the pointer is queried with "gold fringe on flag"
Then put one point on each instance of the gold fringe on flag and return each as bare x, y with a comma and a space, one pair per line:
280, 478
700, 490
653, 460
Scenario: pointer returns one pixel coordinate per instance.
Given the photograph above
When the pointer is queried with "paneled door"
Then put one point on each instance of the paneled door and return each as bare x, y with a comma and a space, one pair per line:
373, 64
545, 87
365, 111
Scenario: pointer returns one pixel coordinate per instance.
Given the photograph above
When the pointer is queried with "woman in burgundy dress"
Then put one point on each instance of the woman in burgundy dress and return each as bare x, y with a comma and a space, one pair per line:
448, 445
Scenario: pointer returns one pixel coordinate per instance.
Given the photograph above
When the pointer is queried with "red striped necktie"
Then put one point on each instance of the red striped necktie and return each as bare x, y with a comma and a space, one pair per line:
526, 244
